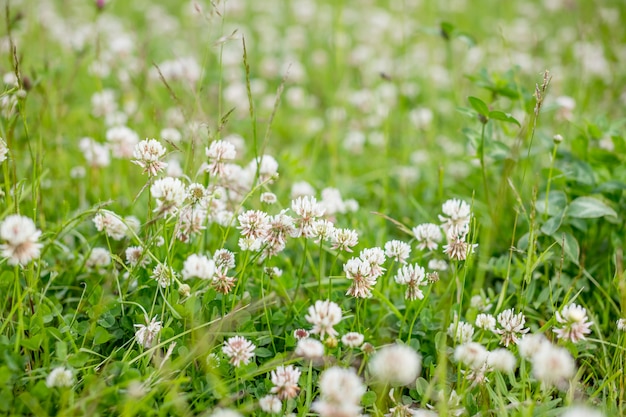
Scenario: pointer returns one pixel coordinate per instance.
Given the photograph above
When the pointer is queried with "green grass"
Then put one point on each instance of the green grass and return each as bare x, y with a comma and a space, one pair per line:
397, 107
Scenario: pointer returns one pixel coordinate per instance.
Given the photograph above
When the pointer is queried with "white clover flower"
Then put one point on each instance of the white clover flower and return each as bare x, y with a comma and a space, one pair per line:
428, 236
98, 257
163, 274
308, 210
344, 239
461, 332
581, 411
171, 134
457, 216
122, 141
309, 348
301, 334
553, 365
239, 350
486, 322
530, 344
224, 259
360, 273
323, 316
135, 256
271, 404
4, 150
471, 354
322, 230
146, 335
225, 412
219, 153
268, 198
512, 326
169, 193
397, 250
21, 240
332, 201
254, 224
111, 224
147, 155
285, 380
621, 325
501, 360
574, 321
96, 154
413, 276
103, 103
60, 377
340, 393
437, 265
301, 189
353, 339
198, 266
266, 166
396, 365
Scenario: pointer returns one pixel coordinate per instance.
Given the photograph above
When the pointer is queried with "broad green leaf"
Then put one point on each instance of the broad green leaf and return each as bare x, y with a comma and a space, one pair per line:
479, 105
369, 398
557, 201
101, 336
589, 208
505, 117
551, 225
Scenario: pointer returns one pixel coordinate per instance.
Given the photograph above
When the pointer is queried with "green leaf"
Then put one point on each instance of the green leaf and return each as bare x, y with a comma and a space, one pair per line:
569, 244
263, 352
369, 398
101, 336
479, 105
505, 117
557, 201
589, 208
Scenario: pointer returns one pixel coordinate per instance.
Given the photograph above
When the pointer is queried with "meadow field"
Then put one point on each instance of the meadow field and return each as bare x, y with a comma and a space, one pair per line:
330, 208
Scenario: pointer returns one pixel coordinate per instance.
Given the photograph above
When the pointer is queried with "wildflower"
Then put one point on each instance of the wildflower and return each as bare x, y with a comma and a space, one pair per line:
271, 404
396, 365
413, 276
352, 339
266, 167
147, 155
428, 236
530, 344
281, 227
184, 290
461, 332
122, 141
225, 412
135, 256
309, 348
308, 210
103, 103
457, 248
501, 360
581, 411
198, 266
221, 282
323, 316
300, 334
191, 221
268, 198
169, 194
218, 153
239, 350
254, 224
171, 134
163, 274
301, 189
512, 326
553, 365
95, 154
360, 273
375, 257
621, 325
332, 201
480, 303
146, 335
437, 265
341, 391
322, 230
344, 239
485, 322
575, 323
273, 271
224, 259
4, 150
457, 216
285, 380
471, 354
60, 377
397, 250
111, 223
98, 257
196, 194
21, 237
